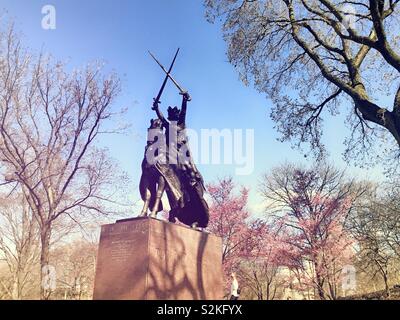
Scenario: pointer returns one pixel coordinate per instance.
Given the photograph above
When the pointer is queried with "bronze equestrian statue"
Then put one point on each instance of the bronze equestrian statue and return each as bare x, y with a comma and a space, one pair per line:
175, 171
157, 175
192, 209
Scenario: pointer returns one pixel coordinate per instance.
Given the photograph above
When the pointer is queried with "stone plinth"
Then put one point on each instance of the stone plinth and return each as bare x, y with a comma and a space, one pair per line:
149, 259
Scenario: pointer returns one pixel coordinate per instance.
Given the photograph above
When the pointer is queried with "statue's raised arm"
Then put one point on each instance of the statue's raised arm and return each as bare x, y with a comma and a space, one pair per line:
182, 115
159, 113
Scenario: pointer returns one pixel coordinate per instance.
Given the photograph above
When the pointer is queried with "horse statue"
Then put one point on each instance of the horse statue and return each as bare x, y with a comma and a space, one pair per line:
187, 203
157, 175
183, 184
152, 183
175, 172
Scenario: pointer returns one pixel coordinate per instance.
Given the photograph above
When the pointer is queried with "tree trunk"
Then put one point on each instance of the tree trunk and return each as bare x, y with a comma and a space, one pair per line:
45, 287
321, 293
14, 289
387, 291
319, 280
320, 289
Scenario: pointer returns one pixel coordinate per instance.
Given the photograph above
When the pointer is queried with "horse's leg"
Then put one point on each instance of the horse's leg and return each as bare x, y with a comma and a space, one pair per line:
147, 196
160, 191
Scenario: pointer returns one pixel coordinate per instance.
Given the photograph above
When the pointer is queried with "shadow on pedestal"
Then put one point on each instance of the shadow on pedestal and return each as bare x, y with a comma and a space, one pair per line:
150, 259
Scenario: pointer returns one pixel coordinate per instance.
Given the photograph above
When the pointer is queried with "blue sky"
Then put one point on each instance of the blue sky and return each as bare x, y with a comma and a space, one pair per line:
120, 32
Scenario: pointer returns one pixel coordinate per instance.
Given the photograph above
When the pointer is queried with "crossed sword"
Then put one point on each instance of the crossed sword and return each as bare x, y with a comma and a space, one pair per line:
168, 75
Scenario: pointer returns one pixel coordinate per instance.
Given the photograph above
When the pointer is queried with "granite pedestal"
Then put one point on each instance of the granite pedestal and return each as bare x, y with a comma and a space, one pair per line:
150, 259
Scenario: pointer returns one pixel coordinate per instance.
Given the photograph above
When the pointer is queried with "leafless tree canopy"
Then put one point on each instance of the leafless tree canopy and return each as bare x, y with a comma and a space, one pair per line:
313, 58
376, 225
284, 183
19, 247
50, 119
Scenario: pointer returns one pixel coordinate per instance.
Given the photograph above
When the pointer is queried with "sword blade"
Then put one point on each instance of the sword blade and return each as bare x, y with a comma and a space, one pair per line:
176, 83
157, 99
168, 74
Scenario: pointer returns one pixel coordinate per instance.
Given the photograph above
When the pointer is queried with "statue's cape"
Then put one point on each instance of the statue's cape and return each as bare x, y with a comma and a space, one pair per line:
186, 200
172, 179
185, 190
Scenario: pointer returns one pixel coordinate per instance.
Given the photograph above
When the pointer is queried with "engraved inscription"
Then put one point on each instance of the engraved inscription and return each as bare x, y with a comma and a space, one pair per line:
122, 228
121, 250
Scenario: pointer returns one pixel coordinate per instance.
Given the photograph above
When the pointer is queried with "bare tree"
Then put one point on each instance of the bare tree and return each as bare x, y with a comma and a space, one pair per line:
49, 122
312, 57
19, 247
376, 227
262, 279
389, 216
75, 265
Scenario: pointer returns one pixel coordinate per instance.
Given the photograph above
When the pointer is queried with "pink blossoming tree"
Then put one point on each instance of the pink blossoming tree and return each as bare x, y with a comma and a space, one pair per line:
243, 238
311, 206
